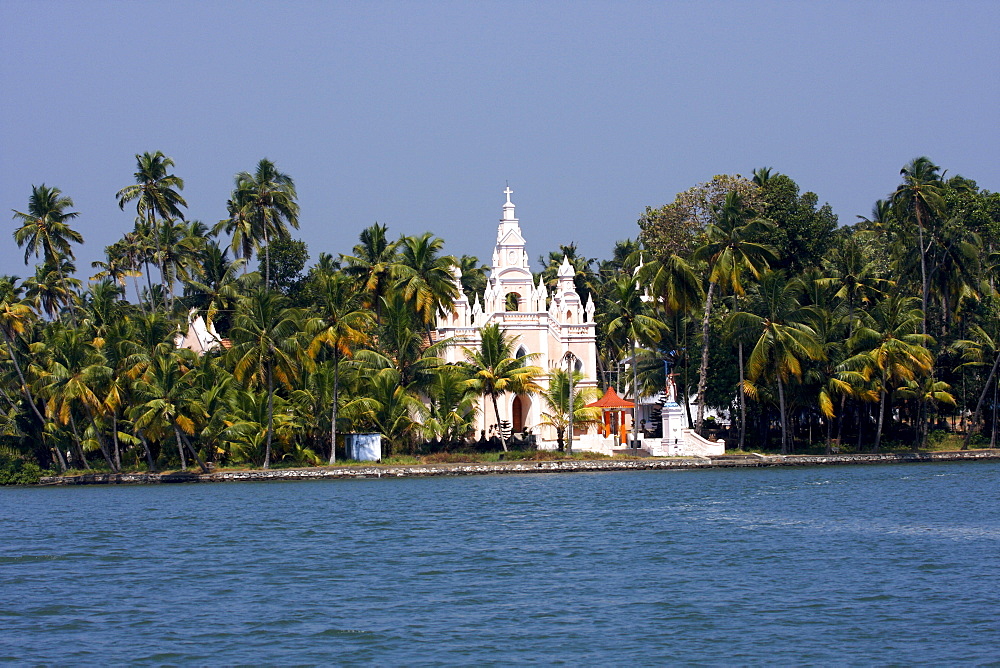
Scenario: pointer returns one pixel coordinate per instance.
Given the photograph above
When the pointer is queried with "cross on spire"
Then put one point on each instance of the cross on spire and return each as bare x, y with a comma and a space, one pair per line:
508, 192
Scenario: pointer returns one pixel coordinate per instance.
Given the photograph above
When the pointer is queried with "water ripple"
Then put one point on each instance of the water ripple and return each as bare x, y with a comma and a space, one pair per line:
820, 566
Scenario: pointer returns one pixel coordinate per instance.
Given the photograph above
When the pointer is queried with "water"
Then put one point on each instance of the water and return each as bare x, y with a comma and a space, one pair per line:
831, 565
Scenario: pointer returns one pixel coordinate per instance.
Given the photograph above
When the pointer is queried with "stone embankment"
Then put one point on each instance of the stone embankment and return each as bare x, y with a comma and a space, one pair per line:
491, 468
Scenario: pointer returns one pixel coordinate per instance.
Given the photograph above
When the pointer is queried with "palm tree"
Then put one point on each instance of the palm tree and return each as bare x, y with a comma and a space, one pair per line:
344, 325
388, 406
673, 283
75, 373
169, 402
890, 352
629, 323
584, 278
156, 193
785, 340
451, 405
215, 285
557, 406
855, 278
425, 278
45, 229
375, 263
15, 319
497, 371
119, 265
976, 351
921, 196
49, 290
264, 349
729, 250
266, 199
473, 277
181, 247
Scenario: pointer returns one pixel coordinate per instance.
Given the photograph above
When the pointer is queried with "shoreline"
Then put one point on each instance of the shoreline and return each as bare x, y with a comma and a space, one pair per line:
518, 467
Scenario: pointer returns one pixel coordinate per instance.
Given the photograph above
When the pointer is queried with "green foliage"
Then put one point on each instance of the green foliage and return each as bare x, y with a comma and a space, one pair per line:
288, 258
836, 325
17, 471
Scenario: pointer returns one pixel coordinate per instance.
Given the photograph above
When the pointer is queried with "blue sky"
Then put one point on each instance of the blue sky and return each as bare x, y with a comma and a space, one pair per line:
416, 114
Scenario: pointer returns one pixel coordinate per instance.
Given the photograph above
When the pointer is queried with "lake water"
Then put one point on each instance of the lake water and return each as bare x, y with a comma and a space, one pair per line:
827, 565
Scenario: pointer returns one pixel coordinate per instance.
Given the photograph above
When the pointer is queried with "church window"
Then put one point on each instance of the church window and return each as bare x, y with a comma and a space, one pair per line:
512, 302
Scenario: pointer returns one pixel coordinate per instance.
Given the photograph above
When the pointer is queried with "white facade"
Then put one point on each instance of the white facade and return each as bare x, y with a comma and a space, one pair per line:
548, 324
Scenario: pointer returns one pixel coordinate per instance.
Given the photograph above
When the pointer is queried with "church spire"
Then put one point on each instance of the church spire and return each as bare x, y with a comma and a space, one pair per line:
508, 208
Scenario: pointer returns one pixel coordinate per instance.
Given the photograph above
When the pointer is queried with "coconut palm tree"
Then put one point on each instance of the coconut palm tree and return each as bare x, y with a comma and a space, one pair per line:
265, 349
266, 199
473, 277
169, 402
15, 320
497, 371
156, 193
76, 370
557, 405
976, 351
451, 405
785, 339
343, 325
50, 289
889, 351
388, 406
45, 230
629, 323
375, 264
425, 277
215, 285
921, 197
728, 251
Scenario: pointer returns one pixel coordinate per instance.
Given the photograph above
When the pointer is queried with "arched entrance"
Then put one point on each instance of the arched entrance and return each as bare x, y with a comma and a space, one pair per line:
519, 413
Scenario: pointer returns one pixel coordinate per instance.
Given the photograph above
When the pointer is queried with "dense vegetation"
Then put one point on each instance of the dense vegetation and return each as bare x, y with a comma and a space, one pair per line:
810, 333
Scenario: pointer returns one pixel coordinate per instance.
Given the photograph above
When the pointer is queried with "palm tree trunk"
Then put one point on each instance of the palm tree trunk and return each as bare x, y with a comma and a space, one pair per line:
114, 440
270, 416
840, 418
881, 418
743, 400
267, 260
923, 270
333, 409
138, 295
149, 453
496, 409
24, 384
100, 440
79, 443
979, 405
62, 281
993, 425
703, 369
155, 231
781, 417
194, 453
180, 448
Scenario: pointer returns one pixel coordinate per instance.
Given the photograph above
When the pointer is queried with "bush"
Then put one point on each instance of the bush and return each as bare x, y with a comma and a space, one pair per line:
19, 472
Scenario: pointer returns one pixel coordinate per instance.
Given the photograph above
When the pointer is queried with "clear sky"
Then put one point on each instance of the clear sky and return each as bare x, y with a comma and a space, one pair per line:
416, 114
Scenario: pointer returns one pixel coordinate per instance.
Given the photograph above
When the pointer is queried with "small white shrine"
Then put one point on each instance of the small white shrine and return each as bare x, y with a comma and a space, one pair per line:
549, 324
678, 440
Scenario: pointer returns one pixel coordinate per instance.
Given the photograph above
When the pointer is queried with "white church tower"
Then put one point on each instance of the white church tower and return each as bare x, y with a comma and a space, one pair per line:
549, 325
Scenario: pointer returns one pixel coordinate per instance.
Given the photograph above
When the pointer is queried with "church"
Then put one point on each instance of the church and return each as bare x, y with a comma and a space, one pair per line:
557, 326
